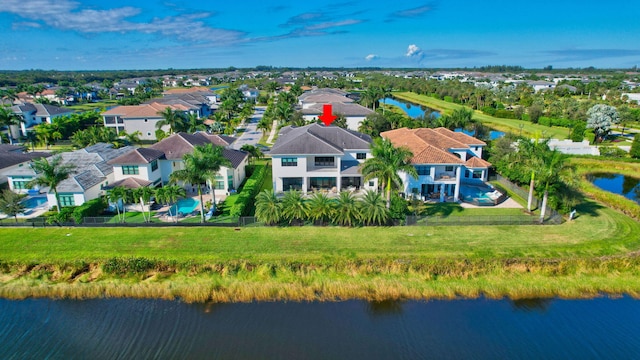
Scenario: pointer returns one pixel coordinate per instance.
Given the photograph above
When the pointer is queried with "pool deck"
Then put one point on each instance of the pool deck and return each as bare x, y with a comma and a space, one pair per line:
507, 204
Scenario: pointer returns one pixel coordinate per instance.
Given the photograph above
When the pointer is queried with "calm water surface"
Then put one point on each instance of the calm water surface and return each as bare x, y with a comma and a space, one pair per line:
413, 110
462, 329
626, 186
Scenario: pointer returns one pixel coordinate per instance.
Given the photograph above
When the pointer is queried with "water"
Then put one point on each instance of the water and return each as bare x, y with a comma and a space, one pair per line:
185, 206
460, 329
34, 202
413, 110
480, 194
626, 186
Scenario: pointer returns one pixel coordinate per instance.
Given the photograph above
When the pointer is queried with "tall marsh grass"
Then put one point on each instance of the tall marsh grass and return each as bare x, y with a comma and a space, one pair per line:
245, 281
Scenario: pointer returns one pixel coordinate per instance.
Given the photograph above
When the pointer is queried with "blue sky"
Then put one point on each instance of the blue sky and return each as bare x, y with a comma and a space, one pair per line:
149, 34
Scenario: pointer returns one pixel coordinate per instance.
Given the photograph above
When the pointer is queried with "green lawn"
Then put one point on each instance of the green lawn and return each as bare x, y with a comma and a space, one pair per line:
506, 125
93, 105
597, 232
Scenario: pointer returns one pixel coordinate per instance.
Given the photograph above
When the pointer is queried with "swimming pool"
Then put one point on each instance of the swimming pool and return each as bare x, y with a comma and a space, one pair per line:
479, 194
34, 202
185, 206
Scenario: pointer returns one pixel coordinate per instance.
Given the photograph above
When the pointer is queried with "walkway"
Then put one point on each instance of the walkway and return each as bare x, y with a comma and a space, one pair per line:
274, 128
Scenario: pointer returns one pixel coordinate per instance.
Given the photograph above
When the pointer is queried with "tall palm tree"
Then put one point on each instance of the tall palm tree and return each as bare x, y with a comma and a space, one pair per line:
264, 125
192, 123
386, 163
115, 195
8, 118
321, 208
215, 160
268, 208
169, 195
347, 212
294, 207
372, 208
283, 111
555, 170
31, 140
144, 194
51, 174
172, 118
11, 203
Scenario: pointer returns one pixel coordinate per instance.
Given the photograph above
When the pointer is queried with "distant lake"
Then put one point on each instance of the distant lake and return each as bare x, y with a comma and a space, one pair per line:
626, 186
413, 110
601, 328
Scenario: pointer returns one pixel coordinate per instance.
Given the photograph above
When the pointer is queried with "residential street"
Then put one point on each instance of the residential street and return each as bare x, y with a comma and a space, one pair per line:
251, 135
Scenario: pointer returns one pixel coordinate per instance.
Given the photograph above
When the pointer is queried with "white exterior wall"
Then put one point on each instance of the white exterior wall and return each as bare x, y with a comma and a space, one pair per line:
353, 122
146, 126
144, 172
280, 171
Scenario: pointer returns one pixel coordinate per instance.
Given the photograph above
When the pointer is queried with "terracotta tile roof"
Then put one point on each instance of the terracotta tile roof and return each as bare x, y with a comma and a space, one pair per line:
433, 155
143, 110
430, 146
460, 136
476, 162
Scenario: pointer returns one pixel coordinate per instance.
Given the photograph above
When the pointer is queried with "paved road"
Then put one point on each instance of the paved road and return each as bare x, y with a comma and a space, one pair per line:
251, 134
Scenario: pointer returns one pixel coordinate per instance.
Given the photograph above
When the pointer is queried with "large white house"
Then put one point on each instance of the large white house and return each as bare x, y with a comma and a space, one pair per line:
442, 158
317, 157
153, 166
35, 114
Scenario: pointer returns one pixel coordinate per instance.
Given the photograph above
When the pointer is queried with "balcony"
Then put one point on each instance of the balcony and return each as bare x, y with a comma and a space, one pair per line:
446, 176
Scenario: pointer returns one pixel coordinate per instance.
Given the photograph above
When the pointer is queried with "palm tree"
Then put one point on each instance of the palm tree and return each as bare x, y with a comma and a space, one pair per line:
215, 160
133, 138
144, 194
11, 203
8, 118
268, 208
283, 111
294, 207
50, 174
321, 207
115, 195
264, 125
373, 209
554, 170
347, 211
31, 140
169, 195
193, 123
174, 119
387, 162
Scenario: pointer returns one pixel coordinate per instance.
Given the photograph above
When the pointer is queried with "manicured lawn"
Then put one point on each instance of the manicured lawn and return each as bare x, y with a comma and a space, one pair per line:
506, 125
598, 231
93, 105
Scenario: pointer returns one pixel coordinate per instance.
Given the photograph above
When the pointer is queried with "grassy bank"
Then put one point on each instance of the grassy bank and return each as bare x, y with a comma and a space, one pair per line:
594, 254
506, 125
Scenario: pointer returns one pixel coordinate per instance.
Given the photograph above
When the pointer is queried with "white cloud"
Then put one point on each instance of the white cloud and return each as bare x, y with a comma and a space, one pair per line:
371, 57
73, 16
413, 50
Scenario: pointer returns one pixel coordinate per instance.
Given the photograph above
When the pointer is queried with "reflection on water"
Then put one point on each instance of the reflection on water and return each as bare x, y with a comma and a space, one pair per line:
626, 186
460, 329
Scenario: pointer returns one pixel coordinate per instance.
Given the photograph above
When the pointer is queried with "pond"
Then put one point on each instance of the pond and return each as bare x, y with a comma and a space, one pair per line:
626, 186
455, 329
413, 110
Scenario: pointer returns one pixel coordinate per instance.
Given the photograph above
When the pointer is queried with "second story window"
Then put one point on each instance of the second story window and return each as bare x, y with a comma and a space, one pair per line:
423, 170
361, 156
130, 170
448, 168
324, 161
154, 165
289, 162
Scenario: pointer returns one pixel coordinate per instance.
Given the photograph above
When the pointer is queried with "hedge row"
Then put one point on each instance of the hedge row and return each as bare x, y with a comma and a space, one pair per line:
548, 121
245, 200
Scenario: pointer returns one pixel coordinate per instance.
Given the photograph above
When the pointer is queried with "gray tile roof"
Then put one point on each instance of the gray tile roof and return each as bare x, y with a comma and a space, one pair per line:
236, 157
129, 183
138, 156
346, 109
177, 145
315, 139
12, 155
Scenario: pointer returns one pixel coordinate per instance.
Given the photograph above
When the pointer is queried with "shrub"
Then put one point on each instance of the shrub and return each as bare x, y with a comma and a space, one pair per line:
505, 114
577, 135
488, 110
635, 147
612, 151
93, 207
121, 266
448, 99
244, 203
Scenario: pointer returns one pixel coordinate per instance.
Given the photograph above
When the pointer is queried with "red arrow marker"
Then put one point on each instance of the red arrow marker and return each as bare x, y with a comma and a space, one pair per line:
327, 116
